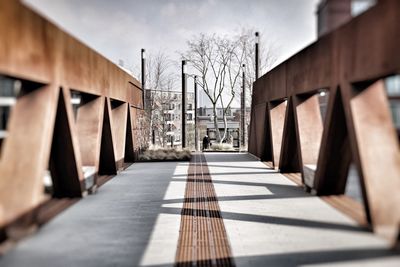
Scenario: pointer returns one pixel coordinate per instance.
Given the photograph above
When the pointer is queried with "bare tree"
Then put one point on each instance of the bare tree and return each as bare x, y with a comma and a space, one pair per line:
159, 83
209, 55
218, 63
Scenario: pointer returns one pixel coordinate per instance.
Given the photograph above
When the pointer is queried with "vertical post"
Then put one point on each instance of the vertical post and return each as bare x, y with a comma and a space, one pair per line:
243, 107
143, 56
184, 103
196, 137
257, 54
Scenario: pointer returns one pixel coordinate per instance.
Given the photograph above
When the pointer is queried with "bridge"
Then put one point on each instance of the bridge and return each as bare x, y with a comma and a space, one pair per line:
75, 119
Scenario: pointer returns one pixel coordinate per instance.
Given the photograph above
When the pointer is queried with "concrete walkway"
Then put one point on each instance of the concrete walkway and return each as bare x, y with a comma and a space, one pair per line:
123, 224
272, 222
134, 220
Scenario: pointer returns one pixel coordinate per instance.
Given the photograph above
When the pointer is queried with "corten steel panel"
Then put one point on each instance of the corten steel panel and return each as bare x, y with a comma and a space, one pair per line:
259, 117
34, 49
107, 161
74, 132
64, 166
89, 123
369, 45
310, 127
25, 153
363, 50
129, 149
118, 123
277, 112
379, 147
136, 95
271, 86
311, 68
335, 154
252, 134
46, 58
289, 161
74, 58
27, 43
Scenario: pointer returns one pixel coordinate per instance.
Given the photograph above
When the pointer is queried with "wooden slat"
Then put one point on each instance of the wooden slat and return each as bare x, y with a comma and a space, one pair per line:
202, 237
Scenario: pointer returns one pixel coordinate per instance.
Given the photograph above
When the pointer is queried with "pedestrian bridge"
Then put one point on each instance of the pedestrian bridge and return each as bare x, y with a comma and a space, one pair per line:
76, 119
221, 209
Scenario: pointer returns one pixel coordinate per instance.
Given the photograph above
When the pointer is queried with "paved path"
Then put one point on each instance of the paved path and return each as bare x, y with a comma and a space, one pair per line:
134, 220
272, 222
123, 224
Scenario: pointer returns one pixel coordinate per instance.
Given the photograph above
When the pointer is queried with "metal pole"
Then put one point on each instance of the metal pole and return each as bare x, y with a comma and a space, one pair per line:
243, 106
183, 103
196, 137
143, 76
257, 55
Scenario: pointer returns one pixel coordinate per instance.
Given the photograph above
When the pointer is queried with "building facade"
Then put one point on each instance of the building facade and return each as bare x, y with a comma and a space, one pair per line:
165, 113
205, 118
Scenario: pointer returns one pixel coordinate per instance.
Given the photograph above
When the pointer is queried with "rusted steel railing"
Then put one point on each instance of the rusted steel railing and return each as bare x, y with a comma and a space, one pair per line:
351, 65
71, 113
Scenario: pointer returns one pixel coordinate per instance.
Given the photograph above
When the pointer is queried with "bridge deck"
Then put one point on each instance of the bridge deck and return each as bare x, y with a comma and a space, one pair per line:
135, 219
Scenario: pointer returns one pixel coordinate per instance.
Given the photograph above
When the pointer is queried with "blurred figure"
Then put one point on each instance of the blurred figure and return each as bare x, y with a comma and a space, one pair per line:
206, 142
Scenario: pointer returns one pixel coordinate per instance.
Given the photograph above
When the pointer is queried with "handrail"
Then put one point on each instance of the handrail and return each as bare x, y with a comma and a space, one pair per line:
350, 63
42, 133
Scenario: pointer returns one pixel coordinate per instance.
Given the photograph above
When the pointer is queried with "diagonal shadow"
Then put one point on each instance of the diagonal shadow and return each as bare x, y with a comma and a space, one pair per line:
241, 167
270, 220
123, 213
228, 157
231, 198
310, 257
224, 173
266, 168
278, 189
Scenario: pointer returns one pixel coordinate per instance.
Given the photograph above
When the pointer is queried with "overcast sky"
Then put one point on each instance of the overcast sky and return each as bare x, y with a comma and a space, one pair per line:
118, 29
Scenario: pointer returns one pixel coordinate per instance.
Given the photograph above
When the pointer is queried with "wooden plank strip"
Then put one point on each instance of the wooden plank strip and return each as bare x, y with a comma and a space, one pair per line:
202, 237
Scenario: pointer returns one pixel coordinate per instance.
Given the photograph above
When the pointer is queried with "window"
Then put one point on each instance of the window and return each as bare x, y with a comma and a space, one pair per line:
189, 116
169, 117
189, 106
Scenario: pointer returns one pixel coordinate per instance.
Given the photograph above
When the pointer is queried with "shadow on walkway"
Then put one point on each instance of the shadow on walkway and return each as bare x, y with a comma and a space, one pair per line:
311, 257
110, 228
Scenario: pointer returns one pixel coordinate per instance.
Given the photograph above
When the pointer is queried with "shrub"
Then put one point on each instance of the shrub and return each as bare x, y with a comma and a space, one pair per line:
221, 147
165, 154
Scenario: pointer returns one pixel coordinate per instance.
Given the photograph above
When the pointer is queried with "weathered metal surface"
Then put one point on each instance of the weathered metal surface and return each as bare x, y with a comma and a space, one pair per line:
350, 62
42, 131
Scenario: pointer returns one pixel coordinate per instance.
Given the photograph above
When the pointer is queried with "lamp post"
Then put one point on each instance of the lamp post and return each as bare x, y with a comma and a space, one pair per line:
243, 106
184, 103
143, 56
257, 53
196, 137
